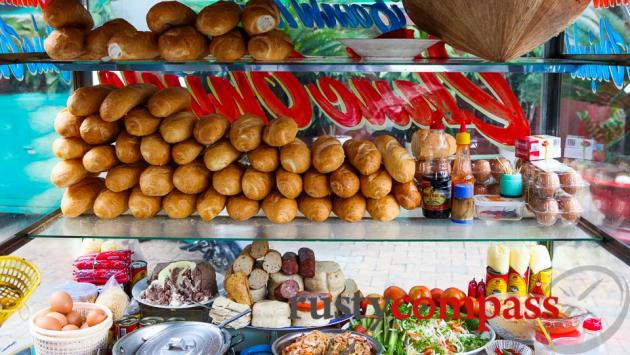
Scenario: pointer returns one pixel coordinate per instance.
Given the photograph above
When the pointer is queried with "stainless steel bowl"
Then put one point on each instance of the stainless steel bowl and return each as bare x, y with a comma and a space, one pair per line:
288, 339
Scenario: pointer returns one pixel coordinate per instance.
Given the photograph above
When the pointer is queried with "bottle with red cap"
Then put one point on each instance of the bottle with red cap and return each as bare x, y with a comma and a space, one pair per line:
462, 167
436, 175
592, 334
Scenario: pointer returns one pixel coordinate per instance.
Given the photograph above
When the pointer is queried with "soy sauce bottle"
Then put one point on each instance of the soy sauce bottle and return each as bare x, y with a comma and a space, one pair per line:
436, 189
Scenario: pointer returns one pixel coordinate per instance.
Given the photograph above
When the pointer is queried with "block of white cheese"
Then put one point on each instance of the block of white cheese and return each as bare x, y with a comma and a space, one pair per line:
328, 278
271, 314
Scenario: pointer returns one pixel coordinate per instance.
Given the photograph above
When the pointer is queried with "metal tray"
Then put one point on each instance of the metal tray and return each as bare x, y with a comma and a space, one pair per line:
288, 339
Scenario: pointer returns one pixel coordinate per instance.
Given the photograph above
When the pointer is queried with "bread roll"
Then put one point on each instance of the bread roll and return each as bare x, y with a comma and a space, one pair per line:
87, 100
100, 158
383, 209
237, 288
70, 148
97, 39
272, 46
220, 155
407, 195
256, 185
260, 16
316, 184
327, 154
169, 101
79, 198
295, 157
315, 209
178, 204
95, 131
288, 184
110, 204
139, 122
350, 209
182, 44
186, 152
155, 150
363, 155
278, 208
142, 206
168, 14
192, 178
241, 208
264, 158
67, 13
227, 181
228, 47
209, 129
133, 45
218, 19
280, 131
128, 148
178, 127
123, 177
398, 162
344, 182
119, 102
210, 204
156, 180
67, 124
376, 185
246, 132
65, 43
68, 172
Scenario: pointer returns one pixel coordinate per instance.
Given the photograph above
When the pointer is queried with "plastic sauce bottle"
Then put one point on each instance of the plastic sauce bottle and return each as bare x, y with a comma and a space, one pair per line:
462, 167
436, 176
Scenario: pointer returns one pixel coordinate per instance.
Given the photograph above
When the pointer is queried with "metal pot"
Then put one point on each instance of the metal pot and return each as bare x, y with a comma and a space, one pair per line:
288, 339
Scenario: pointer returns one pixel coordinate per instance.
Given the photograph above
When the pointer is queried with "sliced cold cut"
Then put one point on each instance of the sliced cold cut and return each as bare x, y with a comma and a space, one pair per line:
272, 262
306, 258
286, 290
290, 265
258, 279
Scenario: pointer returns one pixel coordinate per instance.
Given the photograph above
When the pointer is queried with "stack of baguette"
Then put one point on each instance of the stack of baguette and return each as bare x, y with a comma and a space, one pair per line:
265, 280
176, 33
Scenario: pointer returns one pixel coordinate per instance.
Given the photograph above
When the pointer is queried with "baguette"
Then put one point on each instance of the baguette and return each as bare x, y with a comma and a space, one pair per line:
344, 182
272, 262
70, 148
241, 208
272, 46
140, 122
315, 209
316, 184
228, 47
65, 43
280, 132
328, 154
178, 127
155, 150
133, 45
181, 44
168, 14
398, 162
169, 101
178, 205
256, 185
128, 148
264, 158
110, 204
228, 181
67, 13
288, 184
259, 249
376, 185
350, 209
192, 178
295, 157
383, 209
210, 204
79, 198
236, 286
142, 206
100, 158
186, 152
96, 42
243, 263
95, 131
209, 129
219, 155
218, 19
246, 132
87, 100
260, 16
67, 124
279, 209
156, 180
407, 195
68, 172
119, 102
123, 177
363, 155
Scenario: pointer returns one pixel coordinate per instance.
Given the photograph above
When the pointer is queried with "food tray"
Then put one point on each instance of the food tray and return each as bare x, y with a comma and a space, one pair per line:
142, 285
287, 339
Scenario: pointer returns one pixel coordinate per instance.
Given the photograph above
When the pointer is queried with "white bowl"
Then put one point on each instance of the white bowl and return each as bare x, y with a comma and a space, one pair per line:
389, 48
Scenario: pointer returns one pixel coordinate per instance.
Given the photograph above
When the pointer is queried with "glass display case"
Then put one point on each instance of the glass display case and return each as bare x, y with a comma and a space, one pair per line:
574, 88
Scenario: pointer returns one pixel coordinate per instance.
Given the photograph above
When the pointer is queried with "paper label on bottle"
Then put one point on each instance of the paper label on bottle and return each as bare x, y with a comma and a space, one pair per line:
540, 283
517, 282
433, 199
495, 282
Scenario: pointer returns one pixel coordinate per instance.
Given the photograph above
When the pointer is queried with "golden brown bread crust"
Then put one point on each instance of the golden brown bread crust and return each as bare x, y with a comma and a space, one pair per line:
94, 130
376, 185
316, 184
65, 43
407, 195
228, 47
328, 154
97, 39
398, 162
278, 208
169, 101
264, 158
156, 180
271, 46
178, 127
315, 209
237, 288
280, 132
128, 148
288, 184
344, 182
209, 129
363, 155
140, 122
192, 178
70, 147
241, 208
67, 13
68, 172
179, 205
181, 44
186, 152
100, 158
260, 16
228, 181
123, 177
219, 155
119, 102
256, 185
133, 45
295, 157
167, 14
155, 150
210, 204
110, 204
87, 100
383, 209
79, 198
246, 132
350, 209
67, 124
142, 206
218, 19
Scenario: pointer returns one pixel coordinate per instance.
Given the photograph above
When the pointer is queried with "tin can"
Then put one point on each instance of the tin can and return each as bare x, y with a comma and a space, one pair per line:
495, 282
175, 319
540, 282
147, 321
125, 326
138, 271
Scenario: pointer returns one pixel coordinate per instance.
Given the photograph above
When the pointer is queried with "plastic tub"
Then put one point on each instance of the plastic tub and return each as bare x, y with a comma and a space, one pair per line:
80, 291
570, 208
498, 208
546, 210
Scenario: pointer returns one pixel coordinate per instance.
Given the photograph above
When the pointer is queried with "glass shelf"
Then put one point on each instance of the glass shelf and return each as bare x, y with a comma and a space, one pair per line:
367, 230
317, 64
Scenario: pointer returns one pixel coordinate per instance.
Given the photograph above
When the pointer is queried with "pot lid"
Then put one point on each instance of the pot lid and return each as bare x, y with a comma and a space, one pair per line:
190, 338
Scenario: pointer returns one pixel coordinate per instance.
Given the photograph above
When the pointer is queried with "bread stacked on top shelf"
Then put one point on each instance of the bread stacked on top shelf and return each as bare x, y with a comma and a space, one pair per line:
176, 33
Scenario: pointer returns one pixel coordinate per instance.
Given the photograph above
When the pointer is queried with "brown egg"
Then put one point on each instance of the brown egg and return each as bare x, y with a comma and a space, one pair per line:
547, 183
498, 167
84, 325
570, 208
60, 302
546, 212
58, 316
70, 327
95, 317
481, 170
74, 318
570, 182
48, 323
480, 189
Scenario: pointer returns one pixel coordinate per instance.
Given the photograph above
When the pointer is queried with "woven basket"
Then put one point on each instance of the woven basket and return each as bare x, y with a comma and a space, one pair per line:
497, 30
19, 278
86, 341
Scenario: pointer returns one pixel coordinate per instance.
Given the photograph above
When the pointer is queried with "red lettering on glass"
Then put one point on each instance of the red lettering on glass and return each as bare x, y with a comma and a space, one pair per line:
330, 93
299, 108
